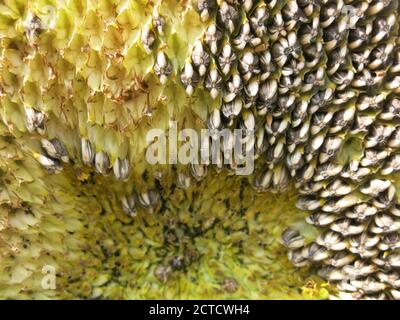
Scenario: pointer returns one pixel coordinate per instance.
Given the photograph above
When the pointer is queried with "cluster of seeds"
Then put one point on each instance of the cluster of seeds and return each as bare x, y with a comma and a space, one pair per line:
162, 66
54, 152
311, 78
147, 200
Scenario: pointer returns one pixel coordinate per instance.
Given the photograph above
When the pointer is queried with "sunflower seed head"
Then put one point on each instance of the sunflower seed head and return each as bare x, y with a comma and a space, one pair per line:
303, 79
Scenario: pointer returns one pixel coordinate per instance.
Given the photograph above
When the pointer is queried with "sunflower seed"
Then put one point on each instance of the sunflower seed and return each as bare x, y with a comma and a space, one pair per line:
200, 58
226, 59
121, 168
102, 162
162, 67
129, 205
292, 239
228, 17
55, 149
212, 38
87, 152
149, 200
